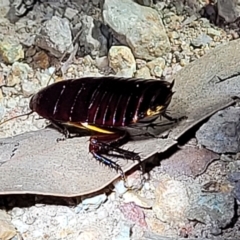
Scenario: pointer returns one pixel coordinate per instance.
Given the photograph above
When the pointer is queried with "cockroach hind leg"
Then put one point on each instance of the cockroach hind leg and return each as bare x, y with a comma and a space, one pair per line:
108, 162
125, 153
131, 155
101, 147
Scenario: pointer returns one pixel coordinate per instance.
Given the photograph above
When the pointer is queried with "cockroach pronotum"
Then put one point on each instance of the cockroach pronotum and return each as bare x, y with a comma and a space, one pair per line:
104, 106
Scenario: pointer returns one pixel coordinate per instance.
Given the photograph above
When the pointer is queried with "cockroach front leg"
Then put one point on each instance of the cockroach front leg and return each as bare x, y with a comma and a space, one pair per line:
63, 129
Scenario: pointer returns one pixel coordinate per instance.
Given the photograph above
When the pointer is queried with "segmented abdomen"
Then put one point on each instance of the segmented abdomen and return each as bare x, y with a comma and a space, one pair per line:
106, 101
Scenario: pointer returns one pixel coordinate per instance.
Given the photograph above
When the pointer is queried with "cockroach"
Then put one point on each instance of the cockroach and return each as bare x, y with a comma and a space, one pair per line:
104, 106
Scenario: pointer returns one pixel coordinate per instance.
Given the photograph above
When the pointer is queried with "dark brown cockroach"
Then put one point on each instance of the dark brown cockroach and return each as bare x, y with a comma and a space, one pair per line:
104, 106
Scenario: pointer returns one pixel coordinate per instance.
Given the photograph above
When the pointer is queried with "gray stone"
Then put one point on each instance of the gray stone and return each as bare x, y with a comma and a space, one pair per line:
229, 10
201, 40
70, 13
95, 2
55, 36
2, 109
11, 50
213, 32
93, 202
20, 225
7, 230
125, 232
4, 7
91, 40
122, 60
222, 132
19, 72
102, 62
137, 26
120, 187
172, 200
156, 66
214, 208
17, 212
143, 72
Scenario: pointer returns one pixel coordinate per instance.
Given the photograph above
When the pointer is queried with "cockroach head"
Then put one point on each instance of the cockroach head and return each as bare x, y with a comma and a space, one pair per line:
41, 103
33, 102
161, 100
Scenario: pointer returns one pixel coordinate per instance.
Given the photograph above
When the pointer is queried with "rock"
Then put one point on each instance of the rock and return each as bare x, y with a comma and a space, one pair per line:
201, 40
17, 212
137, 26
20, 225
213, 32
41, 60
90, 233
11, 50
135, 180
189, 160
102, 62
222, 131
125, 73
214, 208
93, 202
102, 214
234, 178
7, 230
140, 201
228, 10
91, 40
95, 2
156, 66
133, 213
4, 7
156, 226
18, 73
173, 35
125, 232
121, 59
55, 36
172, 201
70, 13
183, 62
120, 187
143, 73
2, 107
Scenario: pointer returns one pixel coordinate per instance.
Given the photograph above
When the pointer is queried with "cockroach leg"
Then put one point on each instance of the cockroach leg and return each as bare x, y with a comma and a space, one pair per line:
64, 130
105, 143
105, 148
175, 120
109, 162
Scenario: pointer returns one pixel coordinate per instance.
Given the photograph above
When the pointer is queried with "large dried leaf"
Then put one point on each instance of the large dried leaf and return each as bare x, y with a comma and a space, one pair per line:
36, 163
40, 165
207, 85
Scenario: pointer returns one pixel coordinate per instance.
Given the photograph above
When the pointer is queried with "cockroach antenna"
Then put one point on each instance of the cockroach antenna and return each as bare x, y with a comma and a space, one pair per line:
22, 115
